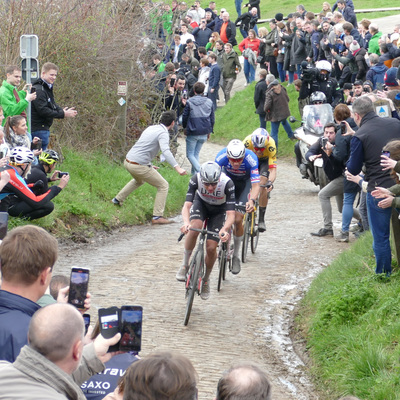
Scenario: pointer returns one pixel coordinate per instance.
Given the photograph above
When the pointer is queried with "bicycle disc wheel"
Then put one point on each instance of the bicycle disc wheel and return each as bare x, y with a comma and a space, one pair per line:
194, 269
246, 238
222, 266
254, 234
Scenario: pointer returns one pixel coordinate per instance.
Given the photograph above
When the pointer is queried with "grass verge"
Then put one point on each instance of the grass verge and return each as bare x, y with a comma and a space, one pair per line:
350, 319
85, 206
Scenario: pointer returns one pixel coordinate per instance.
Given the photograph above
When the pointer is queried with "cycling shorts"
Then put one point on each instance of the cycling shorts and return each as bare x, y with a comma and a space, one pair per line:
215, 214
263, 166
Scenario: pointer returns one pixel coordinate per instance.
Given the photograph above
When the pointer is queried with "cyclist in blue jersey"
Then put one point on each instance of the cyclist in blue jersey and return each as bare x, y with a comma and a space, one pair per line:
211, 195
241, 165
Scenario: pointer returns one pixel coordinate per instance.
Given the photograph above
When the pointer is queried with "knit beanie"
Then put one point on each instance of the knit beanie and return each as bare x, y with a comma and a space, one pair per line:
354, 46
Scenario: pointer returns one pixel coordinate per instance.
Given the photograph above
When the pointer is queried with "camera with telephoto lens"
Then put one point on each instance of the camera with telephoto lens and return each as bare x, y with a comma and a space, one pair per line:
309, 72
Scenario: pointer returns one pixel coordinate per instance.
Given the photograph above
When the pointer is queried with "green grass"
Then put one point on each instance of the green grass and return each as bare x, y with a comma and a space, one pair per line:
269, 8
351, 319
85, 204
238, 119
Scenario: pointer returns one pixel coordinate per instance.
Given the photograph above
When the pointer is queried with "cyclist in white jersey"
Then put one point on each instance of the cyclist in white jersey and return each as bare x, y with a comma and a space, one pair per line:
211, 195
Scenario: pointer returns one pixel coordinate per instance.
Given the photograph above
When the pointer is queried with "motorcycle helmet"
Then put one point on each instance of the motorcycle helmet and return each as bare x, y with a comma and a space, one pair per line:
210, 172
235, 149
317, 98
21, 155
326, 66
259, 137
49, 157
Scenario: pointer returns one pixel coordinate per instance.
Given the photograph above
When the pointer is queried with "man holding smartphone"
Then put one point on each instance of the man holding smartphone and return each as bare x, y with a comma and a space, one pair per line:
13, 101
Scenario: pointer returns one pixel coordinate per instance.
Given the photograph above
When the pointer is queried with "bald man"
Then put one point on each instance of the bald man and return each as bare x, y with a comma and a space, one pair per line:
244, 381
47, 368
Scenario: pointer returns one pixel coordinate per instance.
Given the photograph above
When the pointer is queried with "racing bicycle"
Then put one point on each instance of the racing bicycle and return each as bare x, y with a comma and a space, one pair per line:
194, 277
225, 253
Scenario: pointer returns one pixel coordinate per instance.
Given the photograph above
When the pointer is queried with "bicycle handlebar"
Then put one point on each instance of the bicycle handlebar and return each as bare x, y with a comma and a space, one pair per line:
202, 231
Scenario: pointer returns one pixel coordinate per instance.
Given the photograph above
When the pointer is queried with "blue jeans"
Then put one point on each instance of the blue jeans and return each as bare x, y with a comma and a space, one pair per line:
45, 136
291, 77
379, 223
238, 5
194, 143
244, 33
275, 130
213, 96
263, 122
249, 71
348, 211
281, 72
299, 70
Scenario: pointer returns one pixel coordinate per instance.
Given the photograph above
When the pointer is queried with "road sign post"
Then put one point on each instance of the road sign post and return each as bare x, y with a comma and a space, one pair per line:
29, 51
122, 91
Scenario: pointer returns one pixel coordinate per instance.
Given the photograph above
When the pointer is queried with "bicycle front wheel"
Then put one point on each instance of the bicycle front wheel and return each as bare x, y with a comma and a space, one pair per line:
246, 238
254, 233
222, 266
192, 284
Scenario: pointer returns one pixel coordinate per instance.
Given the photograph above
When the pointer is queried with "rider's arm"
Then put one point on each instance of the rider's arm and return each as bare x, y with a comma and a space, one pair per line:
186, 212
272, 174
229, 221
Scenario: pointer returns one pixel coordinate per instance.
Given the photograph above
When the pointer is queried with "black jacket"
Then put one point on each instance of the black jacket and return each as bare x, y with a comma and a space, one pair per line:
230, 33
44, 108
37, 174
259, 96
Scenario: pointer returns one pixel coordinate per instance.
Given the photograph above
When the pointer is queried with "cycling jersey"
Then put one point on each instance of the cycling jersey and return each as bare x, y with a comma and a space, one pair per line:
248, 168
224, 192
268, 153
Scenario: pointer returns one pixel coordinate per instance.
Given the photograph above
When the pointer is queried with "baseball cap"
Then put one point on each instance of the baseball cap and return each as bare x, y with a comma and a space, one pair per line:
394, 36
358, 82
223, 10
290, 15
279, 17
390, 77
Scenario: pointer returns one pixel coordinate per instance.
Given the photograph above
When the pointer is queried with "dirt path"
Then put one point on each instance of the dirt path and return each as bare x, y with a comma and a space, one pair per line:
249, 319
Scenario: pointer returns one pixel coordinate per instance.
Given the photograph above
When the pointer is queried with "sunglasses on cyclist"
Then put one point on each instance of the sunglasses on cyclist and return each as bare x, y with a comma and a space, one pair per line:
210, 184
235, 160
259, 148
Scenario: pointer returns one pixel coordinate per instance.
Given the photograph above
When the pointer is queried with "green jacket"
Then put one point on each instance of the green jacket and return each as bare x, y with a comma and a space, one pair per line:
373, 46
229, 63
9, 103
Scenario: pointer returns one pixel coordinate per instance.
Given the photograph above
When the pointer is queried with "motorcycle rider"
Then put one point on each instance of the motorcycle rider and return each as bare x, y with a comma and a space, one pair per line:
315, 98
318, 79
333, 167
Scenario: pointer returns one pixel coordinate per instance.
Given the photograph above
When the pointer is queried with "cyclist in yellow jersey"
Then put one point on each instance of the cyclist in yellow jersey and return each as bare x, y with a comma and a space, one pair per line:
262, 144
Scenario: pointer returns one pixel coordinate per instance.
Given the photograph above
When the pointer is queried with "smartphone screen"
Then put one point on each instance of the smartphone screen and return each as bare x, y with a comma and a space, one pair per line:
78, 286
131, 328
109, 324
386, 153
3, 224
86, 320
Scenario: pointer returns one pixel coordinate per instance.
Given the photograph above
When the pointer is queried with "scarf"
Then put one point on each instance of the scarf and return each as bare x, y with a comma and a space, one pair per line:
39, 368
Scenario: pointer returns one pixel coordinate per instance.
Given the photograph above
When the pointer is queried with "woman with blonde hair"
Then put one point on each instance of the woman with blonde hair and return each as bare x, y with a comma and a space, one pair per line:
262, 33
211, 42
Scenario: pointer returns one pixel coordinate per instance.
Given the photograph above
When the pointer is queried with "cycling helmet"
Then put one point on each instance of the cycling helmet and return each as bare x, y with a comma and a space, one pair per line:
49, 157
259, 137
317, 98
20, 155
235, 149
210, 172
323, 65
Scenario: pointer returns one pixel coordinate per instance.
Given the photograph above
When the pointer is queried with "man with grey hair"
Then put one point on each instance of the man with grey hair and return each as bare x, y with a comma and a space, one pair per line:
47, 368
227, 31
373, 44
242, 382
376, 73
366, 148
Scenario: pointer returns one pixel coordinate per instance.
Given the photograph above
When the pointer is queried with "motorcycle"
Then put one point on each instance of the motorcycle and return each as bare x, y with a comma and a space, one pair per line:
315, 117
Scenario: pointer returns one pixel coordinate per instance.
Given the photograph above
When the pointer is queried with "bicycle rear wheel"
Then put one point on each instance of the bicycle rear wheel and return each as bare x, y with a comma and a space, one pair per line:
222, 265
191, 285
254, 233
246, 237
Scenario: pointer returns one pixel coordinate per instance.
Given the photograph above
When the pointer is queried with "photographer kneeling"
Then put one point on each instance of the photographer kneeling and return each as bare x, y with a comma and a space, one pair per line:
17, 198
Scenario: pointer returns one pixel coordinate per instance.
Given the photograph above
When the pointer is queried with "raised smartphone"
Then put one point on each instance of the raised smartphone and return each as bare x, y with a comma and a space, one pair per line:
86, 320
131, 328
109, 324
78, 286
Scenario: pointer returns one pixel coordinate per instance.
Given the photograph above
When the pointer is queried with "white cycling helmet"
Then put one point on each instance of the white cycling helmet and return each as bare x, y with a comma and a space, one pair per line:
235, 149
20, 155
259, 137
323, 65
210, 172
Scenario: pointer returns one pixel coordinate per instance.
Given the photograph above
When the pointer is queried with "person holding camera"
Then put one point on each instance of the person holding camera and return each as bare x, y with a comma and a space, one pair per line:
333, 167
38, 180
13, 101
17, 198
